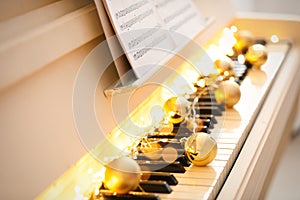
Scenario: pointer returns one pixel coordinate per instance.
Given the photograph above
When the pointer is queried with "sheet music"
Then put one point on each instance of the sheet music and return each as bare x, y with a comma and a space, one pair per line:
180, 17
122, 65
144, 28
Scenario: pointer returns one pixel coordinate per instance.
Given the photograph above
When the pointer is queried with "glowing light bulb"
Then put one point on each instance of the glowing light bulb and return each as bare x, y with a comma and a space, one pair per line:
201, 83
274, 39
96, 192
90, 170
241, 59
234, 29
226, 73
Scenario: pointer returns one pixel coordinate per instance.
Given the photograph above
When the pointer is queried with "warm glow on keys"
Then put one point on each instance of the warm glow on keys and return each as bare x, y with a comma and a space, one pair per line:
274, 39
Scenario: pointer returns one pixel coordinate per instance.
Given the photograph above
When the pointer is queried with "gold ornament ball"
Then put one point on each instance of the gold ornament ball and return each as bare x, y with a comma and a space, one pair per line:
228, 93
122, 175
224, 64
201, 149
176, 108
244, 39
257, 55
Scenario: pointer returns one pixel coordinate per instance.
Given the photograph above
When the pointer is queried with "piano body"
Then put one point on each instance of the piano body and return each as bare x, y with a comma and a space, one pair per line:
53, 50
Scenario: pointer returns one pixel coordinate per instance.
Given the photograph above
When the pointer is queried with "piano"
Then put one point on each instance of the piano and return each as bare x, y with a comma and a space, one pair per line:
250, 136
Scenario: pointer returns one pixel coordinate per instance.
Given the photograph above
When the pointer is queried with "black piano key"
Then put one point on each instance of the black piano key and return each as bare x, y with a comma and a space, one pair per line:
109, 195
208, 123
248, 65
238, 80
181, 158
261, 41
212, 118
184, 160
210, 110
220, 106
183, 131
161, 166
204, 98
207, 99
175, 144
155, 186
170, 135
177, 133
161, 176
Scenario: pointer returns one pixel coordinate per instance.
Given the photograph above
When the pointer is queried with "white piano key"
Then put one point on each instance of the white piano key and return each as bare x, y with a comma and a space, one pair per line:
188, 192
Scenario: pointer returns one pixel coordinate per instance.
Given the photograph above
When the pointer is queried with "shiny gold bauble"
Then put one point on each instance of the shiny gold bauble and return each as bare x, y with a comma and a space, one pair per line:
257, 55
228, 93
176, 108
224, 64
244, 39
122, 175
201, 149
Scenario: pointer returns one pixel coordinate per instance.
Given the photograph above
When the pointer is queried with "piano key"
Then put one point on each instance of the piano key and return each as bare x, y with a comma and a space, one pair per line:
205, 98
223, 157
182, 159
155, 186
171, 143
182, 131
208, 123
212, 118
226, 140
109, 195
208, 110
220, 106
162, 176
197, 181
261, 41
170, 135
226, 146
188, 192
161, 166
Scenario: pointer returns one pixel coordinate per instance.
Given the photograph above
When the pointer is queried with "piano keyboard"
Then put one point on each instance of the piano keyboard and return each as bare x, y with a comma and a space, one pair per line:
229, 127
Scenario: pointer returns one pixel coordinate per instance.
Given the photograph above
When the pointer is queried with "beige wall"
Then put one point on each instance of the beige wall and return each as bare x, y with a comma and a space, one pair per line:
11, 8
272, 6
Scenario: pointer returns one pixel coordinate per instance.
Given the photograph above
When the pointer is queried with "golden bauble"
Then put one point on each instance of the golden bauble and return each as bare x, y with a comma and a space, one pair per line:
176, 109
201, 149
257, 55
228, 93
244, 39
224, 64
122, 175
